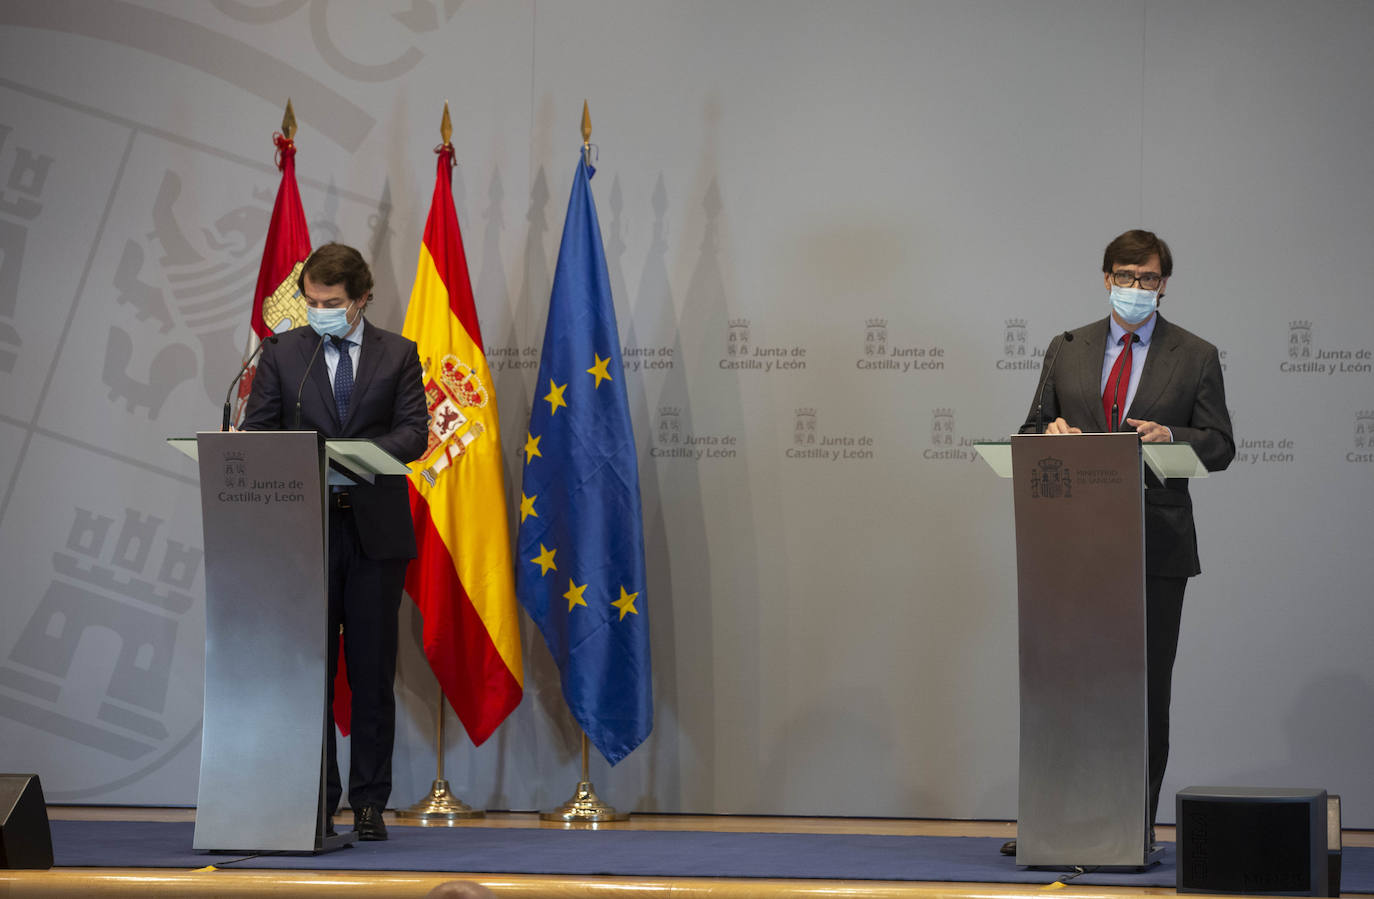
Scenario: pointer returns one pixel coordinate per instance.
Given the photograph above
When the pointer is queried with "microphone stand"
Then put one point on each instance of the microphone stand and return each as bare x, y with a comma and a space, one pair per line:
1045, 382
301, 389
224, 420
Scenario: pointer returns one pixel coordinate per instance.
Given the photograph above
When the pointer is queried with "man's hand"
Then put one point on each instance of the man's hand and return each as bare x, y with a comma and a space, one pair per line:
1151, 431
1060, 426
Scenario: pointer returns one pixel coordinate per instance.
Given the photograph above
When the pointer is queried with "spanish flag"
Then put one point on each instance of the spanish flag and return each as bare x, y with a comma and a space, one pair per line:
462, 579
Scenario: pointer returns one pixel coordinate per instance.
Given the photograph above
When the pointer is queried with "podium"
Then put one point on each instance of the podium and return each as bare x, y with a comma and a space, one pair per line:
266, 643
1080, 566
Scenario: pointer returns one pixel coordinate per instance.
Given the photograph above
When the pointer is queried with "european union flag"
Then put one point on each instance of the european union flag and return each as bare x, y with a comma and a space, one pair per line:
580, 563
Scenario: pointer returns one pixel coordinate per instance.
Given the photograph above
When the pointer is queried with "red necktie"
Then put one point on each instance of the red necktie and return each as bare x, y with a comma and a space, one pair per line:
1114, 395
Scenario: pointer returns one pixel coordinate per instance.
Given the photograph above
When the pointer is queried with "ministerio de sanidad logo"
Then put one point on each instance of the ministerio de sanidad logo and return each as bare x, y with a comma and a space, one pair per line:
1050, 478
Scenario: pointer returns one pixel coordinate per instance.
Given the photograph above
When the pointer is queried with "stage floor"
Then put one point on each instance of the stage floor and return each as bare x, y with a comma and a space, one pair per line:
101, 882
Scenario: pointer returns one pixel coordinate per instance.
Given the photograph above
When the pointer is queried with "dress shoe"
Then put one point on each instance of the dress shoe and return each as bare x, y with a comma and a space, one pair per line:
367, 821
1009, 847
329, 830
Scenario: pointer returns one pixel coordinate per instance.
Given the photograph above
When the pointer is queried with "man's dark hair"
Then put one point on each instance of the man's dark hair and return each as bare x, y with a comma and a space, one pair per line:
1134, 248
335, 263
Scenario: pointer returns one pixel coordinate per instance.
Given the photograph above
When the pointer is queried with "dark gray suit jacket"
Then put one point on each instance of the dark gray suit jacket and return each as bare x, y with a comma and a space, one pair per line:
387, 406
1181, 388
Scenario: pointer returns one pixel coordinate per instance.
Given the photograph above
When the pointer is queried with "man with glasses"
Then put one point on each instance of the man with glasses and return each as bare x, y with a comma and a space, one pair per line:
1135, 371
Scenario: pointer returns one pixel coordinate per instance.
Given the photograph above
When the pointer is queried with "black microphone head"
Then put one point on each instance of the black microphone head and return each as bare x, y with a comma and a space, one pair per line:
1068, 337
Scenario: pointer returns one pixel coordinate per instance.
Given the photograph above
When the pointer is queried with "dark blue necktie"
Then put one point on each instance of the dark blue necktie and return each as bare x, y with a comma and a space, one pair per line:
343, 378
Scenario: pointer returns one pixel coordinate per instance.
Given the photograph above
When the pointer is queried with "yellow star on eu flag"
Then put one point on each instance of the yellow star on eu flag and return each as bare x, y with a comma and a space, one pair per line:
574, 595
545, 562
527, 506
555, 397
531, 447
626, 602
599, 369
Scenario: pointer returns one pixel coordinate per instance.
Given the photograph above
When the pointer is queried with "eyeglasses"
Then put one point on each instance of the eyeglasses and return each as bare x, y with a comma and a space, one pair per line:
1147, 280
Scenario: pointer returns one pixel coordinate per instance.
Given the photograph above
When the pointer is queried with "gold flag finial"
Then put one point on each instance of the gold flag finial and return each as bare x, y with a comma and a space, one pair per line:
288, 121
586, 134
446, 126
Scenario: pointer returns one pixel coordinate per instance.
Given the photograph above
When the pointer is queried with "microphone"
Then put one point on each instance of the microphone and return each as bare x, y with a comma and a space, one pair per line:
224, 422
301, 389
1045, 382
1115, 423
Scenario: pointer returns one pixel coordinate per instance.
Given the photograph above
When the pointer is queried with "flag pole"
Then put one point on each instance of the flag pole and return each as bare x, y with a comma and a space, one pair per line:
585, 807
440, 805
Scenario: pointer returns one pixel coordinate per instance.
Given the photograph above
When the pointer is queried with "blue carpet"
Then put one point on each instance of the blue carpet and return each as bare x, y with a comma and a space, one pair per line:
630, 853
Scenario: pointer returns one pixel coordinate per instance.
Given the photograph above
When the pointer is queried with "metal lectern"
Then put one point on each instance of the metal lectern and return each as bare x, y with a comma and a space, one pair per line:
266, 642
1080, 565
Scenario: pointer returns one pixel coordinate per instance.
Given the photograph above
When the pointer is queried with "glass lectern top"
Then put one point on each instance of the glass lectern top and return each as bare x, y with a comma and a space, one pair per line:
1173, 460
997, 455
364, 456
1166, 460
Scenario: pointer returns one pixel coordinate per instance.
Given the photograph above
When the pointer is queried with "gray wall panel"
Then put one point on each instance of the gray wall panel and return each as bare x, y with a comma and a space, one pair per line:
856, 186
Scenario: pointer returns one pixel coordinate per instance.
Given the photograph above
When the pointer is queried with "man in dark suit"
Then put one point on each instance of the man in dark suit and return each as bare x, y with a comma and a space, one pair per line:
1134, 371
371, 538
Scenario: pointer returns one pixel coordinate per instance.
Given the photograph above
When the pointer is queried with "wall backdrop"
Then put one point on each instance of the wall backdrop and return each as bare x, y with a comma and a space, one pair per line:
851, 227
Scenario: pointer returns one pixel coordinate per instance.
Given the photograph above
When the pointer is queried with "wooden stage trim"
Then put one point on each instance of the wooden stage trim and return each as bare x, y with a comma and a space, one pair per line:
129, 882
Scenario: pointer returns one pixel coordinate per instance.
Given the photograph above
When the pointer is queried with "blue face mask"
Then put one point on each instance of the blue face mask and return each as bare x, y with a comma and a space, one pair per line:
1134, 305
329, 322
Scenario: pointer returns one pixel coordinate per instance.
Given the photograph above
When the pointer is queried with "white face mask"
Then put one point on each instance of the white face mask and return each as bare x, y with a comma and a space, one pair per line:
329, 322
1132, 304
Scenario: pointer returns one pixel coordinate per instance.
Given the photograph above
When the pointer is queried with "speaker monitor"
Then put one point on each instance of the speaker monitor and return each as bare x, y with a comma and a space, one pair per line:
1253, 840
25, 841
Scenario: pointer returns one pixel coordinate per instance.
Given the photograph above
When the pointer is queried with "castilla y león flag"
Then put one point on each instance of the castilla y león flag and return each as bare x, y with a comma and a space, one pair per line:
277, 304
462, 579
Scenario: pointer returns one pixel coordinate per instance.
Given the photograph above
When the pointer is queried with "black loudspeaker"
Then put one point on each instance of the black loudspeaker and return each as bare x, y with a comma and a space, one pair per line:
1253, 840
25, 841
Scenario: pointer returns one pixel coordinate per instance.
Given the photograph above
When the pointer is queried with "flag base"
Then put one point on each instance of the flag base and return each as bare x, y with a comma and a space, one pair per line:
585, 807
439, 806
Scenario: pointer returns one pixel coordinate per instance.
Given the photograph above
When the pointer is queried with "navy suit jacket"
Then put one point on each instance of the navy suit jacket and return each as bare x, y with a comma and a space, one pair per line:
1181, 388
387, 406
